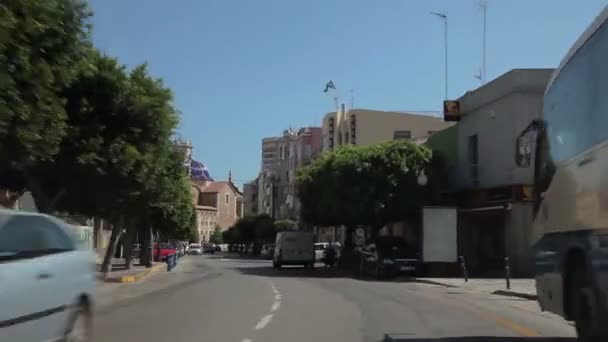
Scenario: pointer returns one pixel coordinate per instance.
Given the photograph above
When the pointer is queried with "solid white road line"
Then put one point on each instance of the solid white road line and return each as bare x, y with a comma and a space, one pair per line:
263, 322
247, 340
275, 306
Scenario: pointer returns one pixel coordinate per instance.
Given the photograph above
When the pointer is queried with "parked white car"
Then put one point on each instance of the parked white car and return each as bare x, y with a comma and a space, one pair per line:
195, 249
47, 279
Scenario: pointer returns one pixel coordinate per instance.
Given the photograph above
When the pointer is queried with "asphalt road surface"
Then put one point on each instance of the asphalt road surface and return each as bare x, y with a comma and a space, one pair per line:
218, 299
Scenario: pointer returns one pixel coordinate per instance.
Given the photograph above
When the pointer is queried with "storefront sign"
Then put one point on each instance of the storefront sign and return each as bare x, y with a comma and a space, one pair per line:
451, 110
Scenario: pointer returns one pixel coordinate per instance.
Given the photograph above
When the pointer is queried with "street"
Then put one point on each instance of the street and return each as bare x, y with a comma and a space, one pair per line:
215, 298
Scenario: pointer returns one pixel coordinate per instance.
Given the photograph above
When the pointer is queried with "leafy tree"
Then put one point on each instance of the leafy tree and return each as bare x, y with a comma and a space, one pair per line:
117, 160
371, 185
285, 225
41, 42
231, 236
246, 229
217, 236
264, 228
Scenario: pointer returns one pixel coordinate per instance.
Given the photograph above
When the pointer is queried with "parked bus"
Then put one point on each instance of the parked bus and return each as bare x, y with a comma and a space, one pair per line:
568, 149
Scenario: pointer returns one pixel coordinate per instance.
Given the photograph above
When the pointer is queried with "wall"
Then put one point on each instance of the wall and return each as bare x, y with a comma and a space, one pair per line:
208, 199
250, 198
446, 143
373, 127
497, 113
227, 211
207, 220
519, 237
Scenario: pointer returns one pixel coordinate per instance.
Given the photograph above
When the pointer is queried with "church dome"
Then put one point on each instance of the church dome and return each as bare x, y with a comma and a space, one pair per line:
198, 171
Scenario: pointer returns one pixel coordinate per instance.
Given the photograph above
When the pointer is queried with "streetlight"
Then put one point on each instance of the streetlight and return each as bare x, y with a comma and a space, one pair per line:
444, 18
422, 178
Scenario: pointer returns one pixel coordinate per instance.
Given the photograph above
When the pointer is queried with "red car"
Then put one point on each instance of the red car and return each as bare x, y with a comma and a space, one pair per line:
165, 250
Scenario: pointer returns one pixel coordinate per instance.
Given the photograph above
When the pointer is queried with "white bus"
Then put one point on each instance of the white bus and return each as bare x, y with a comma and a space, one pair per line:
570, 163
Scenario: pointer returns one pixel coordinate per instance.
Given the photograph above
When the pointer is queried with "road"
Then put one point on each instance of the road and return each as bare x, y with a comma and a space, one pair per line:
216, 299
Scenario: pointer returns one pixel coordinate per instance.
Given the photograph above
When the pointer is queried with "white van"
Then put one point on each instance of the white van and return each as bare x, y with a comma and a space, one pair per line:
294, 248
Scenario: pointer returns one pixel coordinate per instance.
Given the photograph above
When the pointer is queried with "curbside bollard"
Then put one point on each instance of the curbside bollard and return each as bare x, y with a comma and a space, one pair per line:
508, 273
463, 265
171, 262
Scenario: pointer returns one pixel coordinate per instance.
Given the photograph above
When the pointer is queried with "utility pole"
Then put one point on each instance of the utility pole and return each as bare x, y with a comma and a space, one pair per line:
484, 6
444, 18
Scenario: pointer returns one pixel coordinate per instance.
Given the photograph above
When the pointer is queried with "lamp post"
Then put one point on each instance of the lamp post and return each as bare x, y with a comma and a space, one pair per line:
444, 18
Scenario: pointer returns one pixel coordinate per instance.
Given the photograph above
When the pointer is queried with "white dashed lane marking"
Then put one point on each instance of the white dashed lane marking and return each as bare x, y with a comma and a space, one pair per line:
265, 320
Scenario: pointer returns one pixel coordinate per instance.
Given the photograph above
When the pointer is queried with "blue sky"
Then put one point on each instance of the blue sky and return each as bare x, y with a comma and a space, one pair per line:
244, 69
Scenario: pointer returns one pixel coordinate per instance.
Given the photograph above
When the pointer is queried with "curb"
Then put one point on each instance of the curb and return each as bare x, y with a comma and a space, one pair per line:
515, 294
136, 277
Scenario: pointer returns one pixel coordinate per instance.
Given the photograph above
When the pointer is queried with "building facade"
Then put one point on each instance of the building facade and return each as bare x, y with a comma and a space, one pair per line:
492, 193
270, 152
365, 127
276, 182
217, 203
250, 197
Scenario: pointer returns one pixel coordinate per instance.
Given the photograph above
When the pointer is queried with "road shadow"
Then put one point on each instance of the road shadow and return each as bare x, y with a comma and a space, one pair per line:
323, 272
294, 271
234, 256
404, 338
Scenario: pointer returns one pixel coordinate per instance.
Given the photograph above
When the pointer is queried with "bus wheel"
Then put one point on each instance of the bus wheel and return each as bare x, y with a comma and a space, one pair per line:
584, 305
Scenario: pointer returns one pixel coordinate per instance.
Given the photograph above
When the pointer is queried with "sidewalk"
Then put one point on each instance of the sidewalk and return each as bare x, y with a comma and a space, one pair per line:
120, 274
521, 288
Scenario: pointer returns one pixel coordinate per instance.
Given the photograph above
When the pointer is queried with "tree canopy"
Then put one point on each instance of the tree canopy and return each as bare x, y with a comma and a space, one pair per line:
40, 43
217, 237
258, 228
371, 185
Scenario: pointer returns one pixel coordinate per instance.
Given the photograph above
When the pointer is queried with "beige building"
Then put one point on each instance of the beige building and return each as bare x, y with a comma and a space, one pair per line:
364, 127
217, 204
227, 199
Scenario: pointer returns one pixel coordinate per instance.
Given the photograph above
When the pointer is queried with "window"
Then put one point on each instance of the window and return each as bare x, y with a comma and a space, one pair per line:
32, 236
227, 198
473, 156
473, 149
575, 106
402, 135
307, 151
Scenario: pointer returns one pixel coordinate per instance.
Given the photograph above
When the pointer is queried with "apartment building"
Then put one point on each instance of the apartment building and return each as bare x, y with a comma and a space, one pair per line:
277, 180
270, 152
364, 127
250, 197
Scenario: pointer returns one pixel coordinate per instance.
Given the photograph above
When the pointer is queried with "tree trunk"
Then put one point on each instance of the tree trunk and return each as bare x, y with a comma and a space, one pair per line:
144, 247
128, 245
348, 258
146, 255
106, 266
